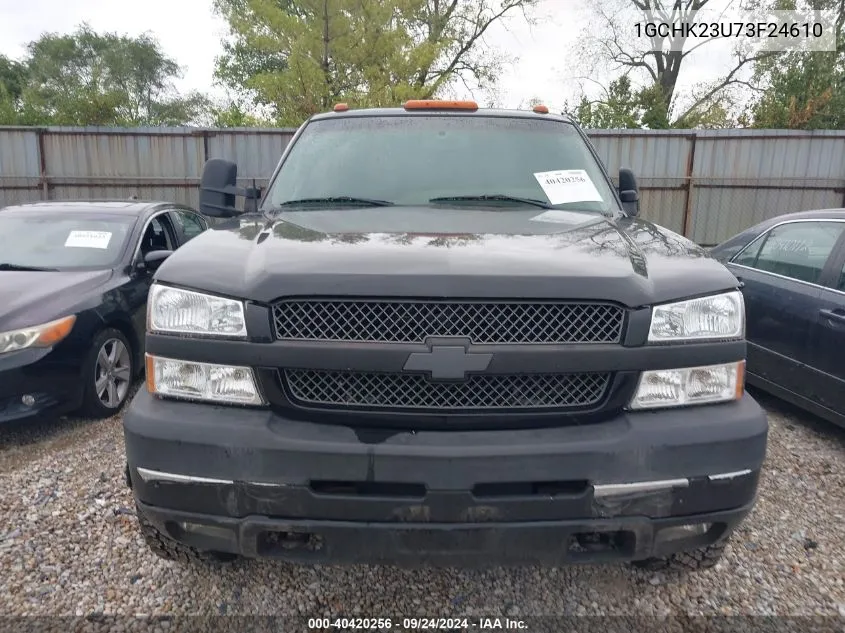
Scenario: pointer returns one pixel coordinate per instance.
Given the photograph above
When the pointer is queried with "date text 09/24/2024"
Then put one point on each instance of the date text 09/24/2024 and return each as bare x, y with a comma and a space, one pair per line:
416, 624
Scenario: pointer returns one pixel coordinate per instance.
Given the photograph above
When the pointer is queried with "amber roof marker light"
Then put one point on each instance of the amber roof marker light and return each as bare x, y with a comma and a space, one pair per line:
541, 109
341, 107
437, 104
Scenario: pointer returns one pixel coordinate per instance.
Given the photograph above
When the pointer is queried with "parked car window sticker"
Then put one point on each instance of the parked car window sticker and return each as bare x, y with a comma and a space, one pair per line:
792, 246
568, 185
88, 239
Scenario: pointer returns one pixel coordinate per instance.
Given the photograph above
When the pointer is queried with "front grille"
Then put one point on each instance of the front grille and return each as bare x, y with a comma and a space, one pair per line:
372, 390
412, 321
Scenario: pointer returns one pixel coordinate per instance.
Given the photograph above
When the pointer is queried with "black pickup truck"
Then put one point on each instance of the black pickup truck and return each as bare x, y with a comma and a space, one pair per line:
442, 336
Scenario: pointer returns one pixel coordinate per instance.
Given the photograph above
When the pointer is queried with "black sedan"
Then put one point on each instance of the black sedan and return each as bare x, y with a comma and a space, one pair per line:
74, 278
793, 268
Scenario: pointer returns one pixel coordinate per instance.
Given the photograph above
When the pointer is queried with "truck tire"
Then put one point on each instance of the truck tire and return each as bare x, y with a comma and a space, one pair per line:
165, 547
693, 560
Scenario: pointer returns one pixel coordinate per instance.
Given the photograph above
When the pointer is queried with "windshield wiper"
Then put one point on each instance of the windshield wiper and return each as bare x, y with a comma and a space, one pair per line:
497, 197
4, 266
369, 202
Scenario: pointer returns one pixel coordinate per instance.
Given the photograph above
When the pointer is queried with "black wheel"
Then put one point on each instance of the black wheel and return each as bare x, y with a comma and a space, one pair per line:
165, 547
693, 560
108, 374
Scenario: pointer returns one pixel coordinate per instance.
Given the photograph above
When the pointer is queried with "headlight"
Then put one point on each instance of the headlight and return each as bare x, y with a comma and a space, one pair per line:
715, 317
177, 311
201, 381
693, 385
43, 335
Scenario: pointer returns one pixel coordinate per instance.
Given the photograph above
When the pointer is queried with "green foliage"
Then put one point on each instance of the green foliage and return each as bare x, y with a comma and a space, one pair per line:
8, 108
804, 91
235, 115
240, 62
623, 107
12, 77
86, 78
620, 109
299, 58
801, 90
12, 81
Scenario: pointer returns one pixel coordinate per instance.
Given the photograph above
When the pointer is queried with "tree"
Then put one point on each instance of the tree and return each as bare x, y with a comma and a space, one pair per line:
623, 107
12, 80
85, 78
654, 65
301, 57
234, 114
802, 90
12, 77
619, 108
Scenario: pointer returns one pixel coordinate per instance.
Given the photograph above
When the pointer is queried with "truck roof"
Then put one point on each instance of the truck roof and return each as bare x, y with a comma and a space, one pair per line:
480, 112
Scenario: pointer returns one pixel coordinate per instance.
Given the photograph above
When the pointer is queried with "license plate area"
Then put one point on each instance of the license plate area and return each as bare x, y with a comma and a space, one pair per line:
438, 541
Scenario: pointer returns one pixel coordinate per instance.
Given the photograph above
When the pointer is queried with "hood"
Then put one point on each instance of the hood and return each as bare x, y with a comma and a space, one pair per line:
470, 254
32, 298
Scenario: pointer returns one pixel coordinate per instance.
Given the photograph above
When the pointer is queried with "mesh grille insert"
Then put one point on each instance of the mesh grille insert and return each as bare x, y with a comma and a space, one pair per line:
372, 390
414, 321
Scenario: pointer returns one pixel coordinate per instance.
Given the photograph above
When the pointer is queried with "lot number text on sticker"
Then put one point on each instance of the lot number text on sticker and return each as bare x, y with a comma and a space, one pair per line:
568, 185
88, 239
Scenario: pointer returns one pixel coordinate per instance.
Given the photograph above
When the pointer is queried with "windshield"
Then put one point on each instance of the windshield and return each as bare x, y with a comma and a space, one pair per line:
62, 240
415, 160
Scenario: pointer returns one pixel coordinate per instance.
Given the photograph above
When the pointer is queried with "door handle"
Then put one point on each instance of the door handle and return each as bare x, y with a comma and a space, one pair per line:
834, 315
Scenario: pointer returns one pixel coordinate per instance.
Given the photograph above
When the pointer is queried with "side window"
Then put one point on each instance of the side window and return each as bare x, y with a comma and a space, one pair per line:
748, 257
840, 284
158, 236
189, 224
798, 250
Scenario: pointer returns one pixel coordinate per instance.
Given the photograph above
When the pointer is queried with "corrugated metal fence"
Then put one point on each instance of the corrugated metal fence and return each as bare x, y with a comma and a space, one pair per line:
153, 163
707, 185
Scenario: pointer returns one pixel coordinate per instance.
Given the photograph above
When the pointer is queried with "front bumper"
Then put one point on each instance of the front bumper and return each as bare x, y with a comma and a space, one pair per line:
252, 483
54, 387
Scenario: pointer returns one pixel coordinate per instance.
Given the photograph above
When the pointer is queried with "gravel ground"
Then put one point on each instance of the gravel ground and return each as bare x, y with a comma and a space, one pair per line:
69, 545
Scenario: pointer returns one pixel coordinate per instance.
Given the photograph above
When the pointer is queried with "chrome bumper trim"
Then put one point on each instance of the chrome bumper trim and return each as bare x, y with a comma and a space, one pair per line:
733, 475
599, 490
154, 475
612, 490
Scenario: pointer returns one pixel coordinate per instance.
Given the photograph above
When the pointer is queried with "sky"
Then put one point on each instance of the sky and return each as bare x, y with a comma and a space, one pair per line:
190, 33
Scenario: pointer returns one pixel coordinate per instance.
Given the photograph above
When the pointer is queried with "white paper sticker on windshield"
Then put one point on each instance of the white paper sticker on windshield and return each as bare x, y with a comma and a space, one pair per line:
568, 185
560, 217
88, 239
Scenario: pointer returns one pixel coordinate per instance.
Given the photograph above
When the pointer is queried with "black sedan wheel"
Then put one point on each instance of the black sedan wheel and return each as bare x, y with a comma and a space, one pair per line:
108, 374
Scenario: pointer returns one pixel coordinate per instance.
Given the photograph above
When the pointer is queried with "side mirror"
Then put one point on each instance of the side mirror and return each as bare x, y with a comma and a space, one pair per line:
154, 259
219, 189
629, 192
